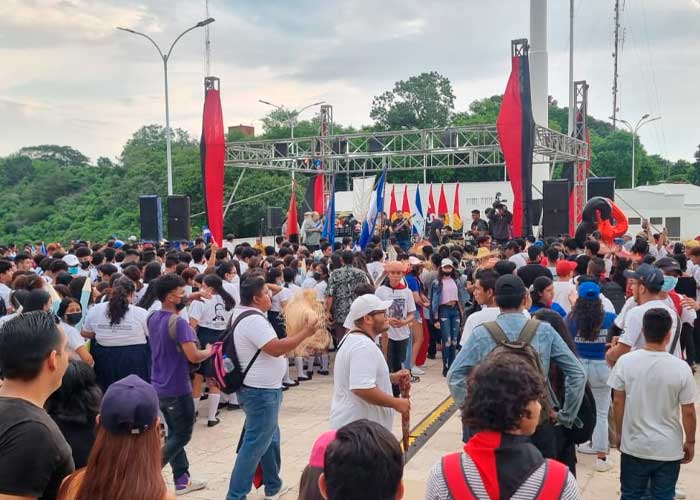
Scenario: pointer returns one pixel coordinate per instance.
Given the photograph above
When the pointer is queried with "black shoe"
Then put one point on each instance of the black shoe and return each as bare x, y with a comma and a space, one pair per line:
414, 379
232, 407
303, 379
293, 383
323, 372
444, 371
212, 423
431, 356
284, 388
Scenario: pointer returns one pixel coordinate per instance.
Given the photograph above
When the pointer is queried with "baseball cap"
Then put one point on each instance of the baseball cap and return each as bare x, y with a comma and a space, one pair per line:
510, 285
71, 260
129, 406
647, 275
504, 267
565, 267
589, 290
415, 261
447, 263
668, 264
318, 451
365, 304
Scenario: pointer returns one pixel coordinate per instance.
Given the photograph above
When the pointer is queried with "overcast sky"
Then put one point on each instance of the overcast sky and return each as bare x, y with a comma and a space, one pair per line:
68, 77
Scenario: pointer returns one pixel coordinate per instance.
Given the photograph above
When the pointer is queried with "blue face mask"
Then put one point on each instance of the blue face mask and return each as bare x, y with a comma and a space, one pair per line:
670, 283
73, 270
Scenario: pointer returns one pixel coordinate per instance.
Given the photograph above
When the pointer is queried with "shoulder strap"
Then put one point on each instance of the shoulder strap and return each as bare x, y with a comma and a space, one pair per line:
554, 482
496, 332
456, 482
243, 315
172, 331
528, 331
677, 335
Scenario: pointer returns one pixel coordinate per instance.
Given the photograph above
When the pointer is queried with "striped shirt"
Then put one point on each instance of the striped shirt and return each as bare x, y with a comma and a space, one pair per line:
436, 488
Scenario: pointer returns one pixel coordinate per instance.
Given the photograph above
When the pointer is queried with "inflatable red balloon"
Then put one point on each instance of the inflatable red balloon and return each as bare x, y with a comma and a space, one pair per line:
602, 215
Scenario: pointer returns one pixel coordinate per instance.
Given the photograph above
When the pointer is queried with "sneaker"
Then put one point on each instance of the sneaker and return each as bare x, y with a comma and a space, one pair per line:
603, 465
232, 406
303, 378
277, 495
444, 371
185, 484
323, 372
417, 371
680, 492
212, 423
291, 383
586, 449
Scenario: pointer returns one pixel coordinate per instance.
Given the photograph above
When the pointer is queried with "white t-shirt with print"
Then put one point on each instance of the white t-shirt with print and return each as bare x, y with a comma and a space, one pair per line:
359, 364
655, 385
211, 313
251, 334
479, 318
131, 330
403, 305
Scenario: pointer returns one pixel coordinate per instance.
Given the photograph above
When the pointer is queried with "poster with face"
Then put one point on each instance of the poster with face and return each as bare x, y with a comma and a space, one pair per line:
397, 308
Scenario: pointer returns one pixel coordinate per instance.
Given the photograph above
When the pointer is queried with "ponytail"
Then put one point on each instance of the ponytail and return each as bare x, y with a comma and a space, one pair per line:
214, 282
119, 300
150, 296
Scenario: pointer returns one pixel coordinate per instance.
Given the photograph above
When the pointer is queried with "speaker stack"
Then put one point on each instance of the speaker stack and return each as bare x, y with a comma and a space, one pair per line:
555, 208
601, 186
178, 218
151, 218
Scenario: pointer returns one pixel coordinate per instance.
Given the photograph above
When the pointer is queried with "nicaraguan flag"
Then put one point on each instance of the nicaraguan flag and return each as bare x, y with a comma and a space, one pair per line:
418, 219
376, 206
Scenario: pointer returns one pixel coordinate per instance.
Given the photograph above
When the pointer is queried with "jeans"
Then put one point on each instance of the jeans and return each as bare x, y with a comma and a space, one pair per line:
395, 356
179, 417
449, 331
640, 477
261, 443
597, 373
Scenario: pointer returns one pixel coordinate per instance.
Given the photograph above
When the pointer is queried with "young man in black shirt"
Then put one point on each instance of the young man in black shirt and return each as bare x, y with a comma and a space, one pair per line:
34, 456
534, 269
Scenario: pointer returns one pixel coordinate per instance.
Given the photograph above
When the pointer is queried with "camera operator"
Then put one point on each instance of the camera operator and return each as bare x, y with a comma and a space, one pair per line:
500, 221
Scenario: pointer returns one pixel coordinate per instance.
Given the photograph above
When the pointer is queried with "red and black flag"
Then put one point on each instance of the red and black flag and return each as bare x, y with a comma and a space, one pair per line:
212, 151
516, 133
314, 200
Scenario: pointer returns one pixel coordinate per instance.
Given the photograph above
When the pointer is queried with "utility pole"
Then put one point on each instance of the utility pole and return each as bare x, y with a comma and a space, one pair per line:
616, 54
571, 68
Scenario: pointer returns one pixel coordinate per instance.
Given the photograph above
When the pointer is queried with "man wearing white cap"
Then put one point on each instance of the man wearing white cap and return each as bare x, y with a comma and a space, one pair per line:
361, 379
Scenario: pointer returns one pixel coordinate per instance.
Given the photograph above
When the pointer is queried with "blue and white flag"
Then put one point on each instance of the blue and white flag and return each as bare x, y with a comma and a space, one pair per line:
418, 218
329, 221
206, 233
43, 248
376, 206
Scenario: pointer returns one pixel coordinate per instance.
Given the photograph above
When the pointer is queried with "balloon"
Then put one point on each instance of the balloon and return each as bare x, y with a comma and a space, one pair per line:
602, 215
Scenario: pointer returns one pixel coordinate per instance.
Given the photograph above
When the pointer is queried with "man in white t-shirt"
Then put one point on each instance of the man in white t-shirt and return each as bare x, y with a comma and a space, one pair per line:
261, 395
361, 378
564, 285
646, 284
401, 315
649, 386
485, 295
7, 268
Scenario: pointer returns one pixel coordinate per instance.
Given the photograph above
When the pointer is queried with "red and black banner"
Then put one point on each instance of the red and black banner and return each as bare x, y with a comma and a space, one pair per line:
212, 149
516, 133
313, 198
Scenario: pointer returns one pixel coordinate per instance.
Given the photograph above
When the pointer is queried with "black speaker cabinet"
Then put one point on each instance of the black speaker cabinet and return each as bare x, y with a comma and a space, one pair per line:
178, 218
151, 217
273, 220
601, 186
555, 208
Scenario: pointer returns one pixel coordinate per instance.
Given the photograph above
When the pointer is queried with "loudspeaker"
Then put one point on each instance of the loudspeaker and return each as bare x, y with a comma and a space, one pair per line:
178, 218
555, 208
375, 144
273, 220
281, 149
601, 186
151, 217
339, 146
536, 212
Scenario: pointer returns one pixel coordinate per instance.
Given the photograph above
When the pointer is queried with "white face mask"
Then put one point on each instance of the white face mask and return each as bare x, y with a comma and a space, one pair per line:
235, 279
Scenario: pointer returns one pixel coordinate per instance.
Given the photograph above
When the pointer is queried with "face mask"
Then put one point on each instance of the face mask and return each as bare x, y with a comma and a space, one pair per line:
317, 276
181, 305
670, 283
74, 318
85, 264
73, 270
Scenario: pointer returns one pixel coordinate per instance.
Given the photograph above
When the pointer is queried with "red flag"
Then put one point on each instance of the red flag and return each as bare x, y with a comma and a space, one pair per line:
442, 204
319, 199
431, 201
392, 205
405, 207
212, 150
292, 226
456, 218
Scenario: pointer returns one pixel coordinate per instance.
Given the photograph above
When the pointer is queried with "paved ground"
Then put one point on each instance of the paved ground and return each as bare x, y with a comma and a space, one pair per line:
304, 416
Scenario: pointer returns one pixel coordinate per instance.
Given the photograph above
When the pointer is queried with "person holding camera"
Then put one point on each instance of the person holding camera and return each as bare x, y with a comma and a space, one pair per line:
500, 221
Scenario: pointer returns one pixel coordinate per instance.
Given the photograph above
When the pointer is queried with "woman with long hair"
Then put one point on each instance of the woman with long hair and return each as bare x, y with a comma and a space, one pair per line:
448, 294
125, 461
416, 286
70, 312
542, 295
74, 407
229, 274
589, 324
119, 336
210, 317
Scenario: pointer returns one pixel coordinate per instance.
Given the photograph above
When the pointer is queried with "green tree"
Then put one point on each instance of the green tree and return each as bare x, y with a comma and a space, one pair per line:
422, 101
62, 155
15, 168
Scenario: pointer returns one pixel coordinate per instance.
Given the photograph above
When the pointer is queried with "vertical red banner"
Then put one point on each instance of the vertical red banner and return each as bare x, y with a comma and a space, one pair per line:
212, 150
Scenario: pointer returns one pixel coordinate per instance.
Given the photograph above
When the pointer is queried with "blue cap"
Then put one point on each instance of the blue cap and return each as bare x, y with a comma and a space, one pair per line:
539, 243
589, 290
129, 406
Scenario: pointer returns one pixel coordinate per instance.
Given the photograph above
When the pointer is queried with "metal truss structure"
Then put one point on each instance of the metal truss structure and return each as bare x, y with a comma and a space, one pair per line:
580, 133
439, 148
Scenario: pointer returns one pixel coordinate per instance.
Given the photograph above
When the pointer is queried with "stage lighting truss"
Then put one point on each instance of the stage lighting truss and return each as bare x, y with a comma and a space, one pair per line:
440, 148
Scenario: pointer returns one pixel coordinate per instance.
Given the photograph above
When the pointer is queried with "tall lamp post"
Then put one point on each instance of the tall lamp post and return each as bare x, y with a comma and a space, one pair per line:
165, 58
291, 116
633, 130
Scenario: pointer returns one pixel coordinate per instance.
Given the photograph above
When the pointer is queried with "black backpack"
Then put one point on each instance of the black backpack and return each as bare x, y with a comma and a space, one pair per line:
227, 368
586, 414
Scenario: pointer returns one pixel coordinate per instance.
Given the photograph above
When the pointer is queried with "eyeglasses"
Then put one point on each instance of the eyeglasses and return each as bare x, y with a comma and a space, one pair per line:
375, 313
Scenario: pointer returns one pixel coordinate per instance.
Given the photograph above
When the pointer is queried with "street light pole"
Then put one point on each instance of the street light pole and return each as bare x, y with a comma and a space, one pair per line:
291, 116
165, 58
633, 130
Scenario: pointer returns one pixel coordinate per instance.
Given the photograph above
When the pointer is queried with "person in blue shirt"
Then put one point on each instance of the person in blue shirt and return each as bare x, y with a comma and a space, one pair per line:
589, 323
511, 299
543, 296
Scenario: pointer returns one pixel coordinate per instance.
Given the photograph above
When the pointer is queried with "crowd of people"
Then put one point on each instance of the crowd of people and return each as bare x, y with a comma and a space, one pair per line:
549, 348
